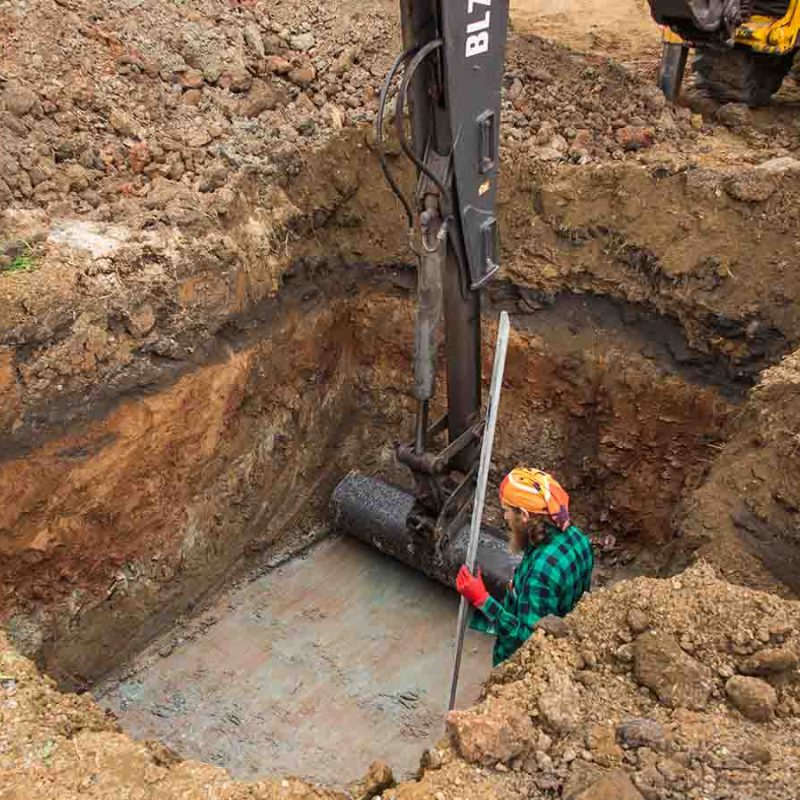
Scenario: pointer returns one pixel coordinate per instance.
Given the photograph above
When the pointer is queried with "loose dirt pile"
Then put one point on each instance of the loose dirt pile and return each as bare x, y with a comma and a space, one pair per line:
117, 110
115, 107
631, 697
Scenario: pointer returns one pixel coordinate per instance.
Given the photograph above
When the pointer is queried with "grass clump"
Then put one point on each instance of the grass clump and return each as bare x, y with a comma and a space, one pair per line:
22, 260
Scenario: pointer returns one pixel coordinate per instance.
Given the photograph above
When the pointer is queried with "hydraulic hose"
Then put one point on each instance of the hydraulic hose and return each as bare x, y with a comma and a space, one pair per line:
379, 134
421, 55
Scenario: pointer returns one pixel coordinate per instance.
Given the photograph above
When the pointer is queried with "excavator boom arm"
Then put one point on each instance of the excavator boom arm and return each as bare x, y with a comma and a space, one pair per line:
449, 78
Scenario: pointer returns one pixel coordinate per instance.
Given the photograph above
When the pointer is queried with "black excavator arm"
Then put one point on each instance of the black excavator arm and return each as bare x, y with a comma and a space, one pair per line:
449, 78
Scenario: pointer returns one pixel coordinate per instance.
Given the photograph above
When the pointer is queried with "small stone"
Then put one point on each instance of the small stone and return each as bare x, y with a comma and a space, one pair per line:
197, 137
616, 785
306, 126
122, 123
756, 754
515, 90
771, 661
725, 671
541, 75
678, 680
279, 65
638, 621
601, 741
548, 783
141, 321
589, 658
581, 777
554, 626
19, 100
253, 39
261, 97
192, 79
632, 137
236, 78
302, 76
499, 733
670, 769
588, 678
379, 777
74, 178
139, 157
14, 248
543, 760
559, 705
302, 42
754, 698
192, 97
696, 121
344, 61
641, 732
214, 177
750, 186
734, 115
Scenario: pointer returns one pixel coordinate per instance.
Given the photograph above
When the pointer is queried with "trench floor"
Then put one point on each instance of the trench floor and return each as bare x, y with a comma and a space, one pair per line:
315, 669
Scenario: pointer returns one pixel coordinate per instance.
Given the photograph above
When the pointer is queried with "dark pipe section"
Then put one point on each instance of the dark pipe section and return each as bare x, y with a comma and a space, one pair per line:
377, 513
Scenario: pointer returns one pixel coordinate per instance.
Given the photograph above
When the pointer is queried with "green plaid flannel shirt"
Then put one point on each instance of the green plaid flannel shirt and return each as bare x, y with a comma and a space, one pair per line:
550, 579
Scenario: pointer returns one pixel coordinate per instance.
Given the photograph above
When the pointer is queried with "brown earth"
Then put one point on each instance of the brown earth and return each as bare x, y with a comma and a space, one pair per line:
205, 321
623, 27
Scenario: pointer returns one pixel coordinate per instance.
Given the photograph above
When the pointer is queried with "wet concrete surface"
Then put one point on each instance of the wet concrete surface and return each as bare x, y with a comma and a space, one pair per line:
315, 669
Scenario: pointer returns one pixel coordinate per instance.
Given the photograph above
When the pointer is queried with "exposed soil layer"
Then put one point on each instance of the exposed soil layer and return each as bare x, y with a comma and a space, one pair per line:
158, 500
632, 341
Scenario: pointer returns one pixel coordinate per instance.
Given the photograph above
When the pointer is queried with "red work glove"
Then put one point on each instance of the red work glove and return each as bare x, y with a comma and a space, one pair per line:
471, 586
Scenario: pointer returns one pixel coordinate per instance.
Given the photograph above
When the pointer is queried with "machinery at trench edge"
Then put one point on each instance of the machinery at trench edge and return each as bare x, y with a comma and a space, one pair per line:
449, 75
743, 48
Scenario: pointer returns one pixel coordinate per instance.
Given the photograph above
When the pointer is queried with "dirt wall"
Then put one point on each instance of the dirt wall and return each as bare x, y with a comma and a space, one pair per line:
128, 522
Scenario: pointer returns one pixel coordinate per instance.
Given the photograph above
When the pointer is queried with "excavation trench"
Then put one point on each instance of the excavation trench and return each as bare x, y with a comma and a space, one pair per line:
193, 519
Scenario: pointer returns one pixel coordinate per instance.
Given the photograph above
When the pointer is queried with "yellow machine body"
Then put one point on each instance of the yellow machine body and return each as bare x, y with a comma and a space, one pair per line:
770, 35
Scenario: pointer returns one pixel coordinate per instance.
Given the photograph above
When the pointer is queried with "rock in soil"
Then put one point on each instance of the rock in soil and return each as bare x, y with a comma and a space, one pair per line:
771, 661
678, 680
614, 786
641, 732
553, 626
501, 732
379, 777
755, 698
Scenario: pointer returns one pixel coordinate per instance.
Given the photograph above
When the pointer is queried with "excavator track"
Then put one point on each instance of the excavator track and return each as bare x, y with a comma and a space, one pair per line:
739, 75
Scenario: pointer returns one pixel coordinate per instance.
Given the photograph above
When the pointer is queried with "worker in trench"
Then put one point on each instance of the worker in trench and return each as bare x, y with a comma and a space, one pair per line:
556, 566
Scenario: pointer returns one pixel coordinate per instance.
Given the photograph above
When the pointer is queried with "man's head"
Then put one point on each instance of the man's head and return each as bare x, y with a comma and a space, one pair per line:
529, 498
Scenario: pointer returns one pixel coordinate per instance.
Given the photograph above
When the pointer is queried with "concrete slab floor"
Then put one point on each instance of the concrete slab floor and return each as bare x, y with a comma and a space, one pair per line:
315, 669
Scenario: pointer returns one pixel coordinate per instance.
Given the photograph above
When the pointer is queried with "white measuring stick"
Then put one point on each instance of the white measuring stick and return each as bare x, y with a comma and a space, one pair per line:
480, 491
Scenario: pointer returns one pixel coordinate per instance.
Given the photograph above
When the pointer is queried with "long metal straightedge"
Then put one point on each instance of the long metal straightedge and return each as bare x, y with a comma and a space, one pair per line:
480, 494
